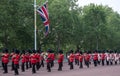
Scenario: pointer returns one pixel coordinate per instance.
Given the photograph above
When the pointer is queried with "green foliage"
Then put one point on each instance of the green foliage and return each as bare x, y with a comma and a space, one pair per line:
71, 27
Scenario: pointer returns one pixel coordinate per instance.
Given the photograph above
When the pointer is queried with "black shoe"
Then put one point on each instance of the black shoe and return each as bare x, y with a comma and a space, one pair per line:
59, 69
49, 70
16, 74
4, 72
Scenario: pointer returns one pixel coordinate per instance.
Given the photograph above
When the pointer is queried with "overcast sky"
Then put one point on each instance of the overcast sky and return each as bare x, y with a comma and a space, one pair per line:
115, 4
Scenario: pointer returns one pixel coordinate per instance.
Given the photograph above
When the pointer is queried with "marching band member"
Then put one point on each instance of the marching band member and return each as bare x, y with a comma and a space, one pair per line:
52, 57
95, 58
87, 59
107, 56
38, 60
23, 56
48, 60
103, 58
16, 57
33, 61
81, 60
71, 59
116, 57
5, 60
42, 58
77, 54
12, 54
60, 60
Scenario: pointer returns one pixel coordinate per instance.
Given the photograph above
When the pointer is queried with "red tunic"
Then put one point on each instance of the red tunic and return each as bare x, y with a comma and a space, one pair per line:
103, 56
33, 59
81, 58
23, 56
12, 56
71, 58
6, 58
95, 57
87, 57
38, 57
60, 58
77, 56
48, 58
52, 56
16, 58
27, 57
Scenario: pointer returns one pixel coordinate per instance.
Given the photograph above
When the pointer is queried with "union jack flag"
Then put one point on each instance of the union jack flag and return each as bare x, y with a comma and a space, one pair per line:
43, 11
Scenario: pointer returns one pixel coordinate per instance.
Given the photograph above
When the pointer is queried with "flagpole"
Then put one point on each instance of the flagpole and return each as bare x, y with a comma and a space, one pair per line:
35, 27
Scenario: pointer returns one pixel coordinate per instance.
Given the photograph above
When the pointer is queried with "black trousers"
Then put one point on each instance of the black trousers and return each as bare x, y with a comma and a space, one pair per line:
49, 66
115, 62
33, 68
99, 62
38, 65
42, 63
81, 65
87, 63
5, 68
16, 69
111, 62
3, 65
71, 65
102, 62
60, 66
12, 65
26, 65
76, 62
95, 63
18, 65
52, 63
23, 67
107, 62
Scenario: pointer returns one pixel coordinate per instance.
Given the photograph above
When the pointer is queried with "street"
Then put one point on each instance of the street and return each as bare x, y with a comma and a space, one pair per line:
113, 70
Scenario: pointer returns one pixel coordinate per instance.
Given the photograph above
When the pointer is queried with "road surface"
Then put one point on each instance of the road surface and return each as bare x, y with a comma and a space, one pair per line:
113, 70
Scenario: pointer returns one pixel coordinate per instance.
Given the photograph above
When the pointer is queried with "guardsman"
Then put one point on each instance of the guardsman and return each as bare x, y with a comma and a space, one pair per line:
87, 59
33, 61
27, 59
71, 59
52, 57
16, 61
67, 56
48, 60
111, 57
42, 58
23, 56
60, 60
95, 58
116, 57
103, 57
77, 54
81, 59
99, 57
12, 54
107, 54
38, 60
5, 60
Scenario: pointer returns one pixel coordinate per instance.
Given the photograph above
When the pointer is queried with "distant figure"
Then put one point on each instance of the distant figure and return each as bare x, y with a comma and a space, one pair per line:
60, 60
71, 59
5, 60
